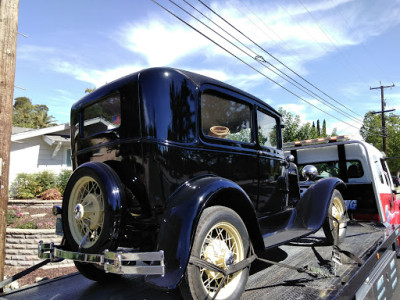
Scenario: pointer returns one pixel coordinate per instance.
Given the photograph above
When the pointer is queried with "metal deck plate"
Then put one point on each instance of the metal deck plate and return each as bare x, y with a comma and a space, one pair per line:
274, 282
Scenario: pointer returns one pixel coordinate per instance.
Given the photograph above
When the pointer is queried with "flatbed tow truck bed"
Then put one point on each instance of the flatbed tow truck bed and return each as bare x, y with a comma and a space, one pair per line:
268, 281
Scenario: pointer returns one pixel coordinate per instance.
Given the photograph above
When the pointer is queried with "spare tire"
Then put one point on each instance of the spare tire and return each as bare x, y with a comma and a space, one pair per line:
91, 215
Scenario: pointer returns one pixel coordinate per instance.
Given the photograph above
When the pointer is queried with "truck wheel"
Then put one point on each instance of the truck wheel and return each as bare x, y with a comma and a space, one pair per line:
222, 239
337, 210
89, 222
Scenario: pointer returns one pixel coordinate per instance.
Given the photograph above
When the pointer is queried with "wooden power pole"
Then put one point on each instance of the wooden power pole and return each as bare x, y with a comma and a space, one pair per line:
8, 51
383, 104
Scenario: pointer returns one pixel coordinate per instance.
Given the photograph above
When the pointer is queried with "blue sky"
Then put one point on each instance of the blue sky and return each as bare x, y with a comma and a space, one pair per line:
342, 47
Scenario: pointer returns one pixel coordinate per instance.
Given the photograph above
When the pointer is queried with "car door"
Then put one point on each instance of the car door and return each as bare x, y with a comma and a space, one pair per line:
226, 131
272, 183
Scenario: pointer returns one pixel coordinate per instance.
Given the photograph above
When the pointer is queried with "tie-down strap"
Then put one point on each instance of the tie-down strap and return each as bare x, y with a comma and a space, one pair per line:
314, 272
226, 272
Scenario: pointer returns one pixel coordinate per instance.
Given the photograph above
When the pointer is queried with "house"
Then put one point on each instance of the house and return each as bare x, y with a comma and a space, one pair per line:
34, 150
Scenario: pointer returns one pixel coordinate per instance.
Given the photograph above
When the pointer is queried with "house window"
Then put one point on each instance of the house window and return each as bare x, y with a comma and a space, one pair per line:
68, 158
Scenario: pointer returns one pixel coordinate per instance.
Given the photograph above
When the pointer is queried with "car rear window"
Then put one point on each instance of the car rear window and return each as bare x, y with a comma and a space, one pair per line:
102, 116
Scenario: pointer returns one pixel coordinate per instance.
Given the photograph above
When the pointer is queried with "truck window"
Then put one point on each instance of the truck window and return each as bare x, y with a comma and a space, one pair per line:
225, 118
102, 115
331, 169
354, 169
378, 168
267, 133
385, 171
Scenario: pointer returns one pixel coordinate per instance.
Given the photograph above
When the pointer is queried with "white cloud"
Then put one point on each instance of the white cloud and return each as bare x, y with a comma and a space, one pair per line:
161, 43
32, 52
93, 76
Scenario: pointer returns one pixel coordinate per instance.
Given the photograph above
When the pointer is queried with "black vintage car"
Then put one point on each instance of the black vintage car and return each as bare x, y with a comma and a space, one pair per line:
173, 169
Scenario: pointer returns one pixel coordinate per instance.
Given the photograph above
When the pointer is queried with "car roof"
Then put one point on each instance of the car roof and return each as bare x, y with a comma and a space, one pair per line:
197, 79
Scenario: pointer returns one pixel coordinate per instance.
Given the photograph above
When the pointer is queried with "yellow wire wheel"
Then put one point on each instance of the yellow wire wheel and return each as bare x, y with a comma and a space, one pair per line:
335, 224
221, 239
90, 219
86, 211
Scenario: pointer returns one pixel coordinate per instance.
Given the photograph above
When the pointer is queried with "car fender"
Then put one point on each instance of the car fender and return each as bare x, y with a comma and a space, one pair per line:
312, 208
114, 187
180, 222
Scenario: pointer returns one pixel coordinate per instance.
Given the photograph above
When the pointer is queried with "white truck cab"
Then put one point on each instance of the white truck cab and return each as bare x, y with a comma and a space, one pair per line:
370, 193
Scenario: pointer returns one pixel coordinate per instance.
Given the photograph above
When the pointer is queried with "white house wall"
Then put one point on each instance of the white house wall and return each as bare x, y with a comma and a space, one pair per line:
33, 155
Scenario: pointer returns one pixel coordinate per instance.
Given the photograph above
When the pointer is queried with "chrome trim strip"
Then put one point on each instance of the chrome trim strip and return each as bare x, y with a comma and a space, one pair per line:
137, 270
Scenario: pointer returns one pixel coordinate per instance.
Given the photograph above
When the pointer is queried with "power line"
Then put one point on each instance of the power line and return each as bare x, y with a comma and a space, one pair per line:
250, 66
282, 63
331, 39
372, 58
241, 60
262, 61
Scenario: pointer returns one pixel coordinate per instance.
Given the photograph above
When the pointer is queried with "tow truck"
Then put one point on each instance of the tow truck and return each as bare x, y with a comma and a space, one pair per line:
183, 179
370, 193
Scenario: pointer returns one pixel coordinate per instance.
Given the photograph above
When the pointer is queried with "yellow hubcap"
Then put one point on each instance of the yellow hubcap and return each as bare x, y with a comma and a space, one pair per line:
337, 211
223, 247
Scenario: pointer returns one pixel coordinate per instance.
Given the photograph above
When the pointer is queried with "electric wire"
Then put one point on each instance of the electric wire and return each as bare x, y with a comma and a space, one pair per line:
282, 63
361, 122
373, 59
262, 61
250, 66
265, 24
332, 41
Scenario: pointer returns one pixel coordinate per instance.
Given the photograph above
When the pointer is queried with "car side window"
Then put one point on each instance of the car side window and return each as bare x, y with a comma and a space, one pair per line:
225, 118
267, 130
102, 116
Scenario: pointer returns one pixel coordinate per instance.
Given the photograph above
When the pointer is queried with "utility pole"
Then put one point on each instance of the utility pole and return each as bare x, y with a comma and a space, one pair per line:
383, 113
8, 51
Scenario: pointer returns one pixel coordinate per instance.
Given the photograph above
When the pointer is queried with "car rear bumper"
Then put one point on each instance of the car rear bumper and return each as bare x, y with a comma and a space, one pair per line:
113, 262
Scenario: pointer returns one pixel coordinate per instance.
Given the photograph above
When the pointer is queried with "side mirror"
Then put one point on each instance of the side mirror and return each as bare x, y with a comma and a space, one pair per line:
290, 158
309, 172
286, 162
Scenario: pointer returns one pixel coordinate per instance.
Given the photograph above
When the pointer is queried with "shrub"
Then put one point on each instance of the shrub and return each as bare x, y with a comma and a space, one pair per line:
12, 214
28, 186
27, 225
24, 186
51, 194
62, 180
45, 225
46, 180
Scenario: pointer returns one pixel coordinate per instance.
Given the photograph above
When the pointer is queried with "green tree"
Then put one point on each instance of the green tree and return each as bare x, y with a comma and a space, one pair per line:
295, 130
27, 115
292, 125
313, 133
323, 133
371, 131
